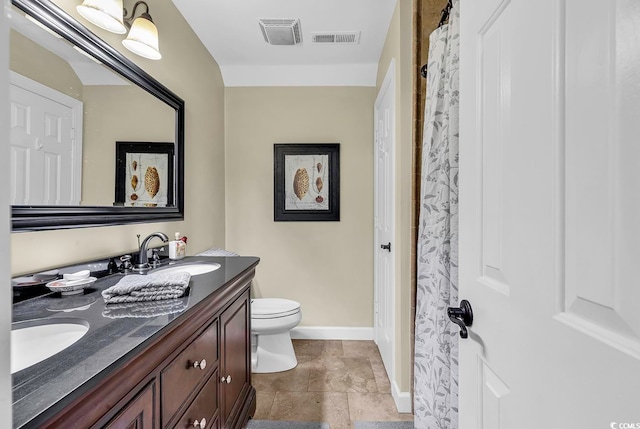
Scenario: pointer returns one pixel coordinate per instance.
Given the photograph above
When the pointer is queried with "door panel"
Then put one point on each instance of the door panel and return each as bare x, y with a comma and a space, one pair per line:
45, 152
384, 120
549, 238
595, 297
492, 396
494, 70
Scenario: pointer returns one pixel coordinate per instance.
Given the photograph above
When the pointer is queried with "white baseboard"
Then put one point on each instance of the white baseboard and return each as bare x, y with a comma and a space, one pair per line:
331, 333
402, 399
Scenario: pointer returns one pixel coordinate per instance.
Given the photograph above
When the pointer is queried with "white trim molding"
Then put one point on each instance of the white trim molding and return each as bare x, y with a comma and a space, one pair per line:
300, 75
331, 333
403, 401
5, 226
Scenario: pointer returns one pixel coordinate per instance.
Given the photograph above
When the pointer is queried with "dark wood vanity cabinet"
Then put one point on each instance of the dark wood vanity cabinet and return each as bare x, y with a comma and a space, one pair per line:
139, 413
197, 375
235, 374
187, 373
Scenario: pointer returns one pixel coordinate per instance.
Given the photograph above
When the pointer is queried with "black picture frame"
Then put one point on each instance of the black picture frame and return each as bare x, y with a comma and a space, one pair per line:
306, 184
125, 170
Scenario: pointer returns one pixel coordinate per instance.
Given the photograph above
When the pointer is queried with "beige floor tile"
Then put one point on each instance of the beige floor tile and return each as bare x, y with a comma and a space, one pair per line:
360, 348
311, 362
374, 407
343, 374
337, 382
318, 347
329, 407
380, 375
370, 350
295, 380
264, 401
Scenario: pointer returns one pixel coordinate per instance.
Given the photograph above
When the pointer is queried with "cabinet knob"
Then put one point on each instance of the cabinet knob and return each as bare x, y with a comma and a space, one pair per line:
226, 379
200, 364
200, 424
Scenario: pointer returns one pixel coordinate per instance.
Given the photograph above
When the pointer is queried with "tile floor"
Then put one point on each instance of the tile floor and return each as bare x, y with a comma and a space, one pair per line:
337, 382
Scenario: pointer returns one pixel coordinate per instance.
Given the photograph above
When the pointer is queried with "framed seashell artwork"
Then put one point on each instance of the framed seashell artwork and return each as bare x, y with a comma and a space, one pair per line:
306, 181
144, 174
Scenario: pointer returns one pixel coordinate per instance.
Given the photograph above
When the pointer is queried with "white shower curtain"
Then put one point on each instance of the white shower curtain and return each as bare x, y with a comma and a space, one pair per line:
436, 340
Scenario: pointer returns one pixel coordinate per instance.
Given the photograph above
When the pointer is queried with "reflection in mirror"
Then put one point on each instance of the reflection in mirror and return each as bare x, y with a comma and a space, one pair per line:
69, 111
72, 98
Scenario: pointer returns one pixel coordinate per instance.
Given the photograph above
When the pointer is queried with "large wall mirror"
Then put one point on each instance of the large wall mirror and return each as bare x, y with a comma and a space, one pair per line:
95, 140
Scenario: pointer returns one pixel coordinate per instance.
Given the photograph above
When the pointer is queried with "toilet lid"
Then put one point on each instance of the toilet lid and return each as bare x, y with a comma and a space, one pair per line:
267, 308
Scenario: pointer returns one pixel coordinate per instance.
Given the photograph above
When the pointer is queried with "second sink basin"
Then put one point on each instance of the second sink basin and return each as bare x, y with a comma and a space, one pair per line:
193, 269
33, 341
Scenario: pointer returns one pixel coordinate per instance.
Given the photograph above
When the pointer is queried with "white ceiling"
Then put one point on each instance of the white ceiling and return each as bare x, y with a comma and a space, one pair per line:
230, 31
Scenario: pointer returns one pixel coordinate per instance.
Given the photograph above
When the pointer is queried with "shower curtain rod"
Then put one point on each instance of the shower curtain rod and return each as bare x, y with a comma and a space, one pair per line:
444, 16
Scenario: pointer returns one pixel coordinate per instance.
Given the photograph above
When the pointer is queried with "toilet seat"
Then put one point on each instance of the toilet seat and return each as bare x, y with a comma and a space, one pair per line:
272, 308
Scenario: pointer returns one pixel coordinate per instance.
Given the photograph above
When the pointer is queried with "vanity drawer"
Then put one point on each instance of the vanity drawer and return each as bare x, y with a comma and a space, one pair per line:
203, 407
181, 377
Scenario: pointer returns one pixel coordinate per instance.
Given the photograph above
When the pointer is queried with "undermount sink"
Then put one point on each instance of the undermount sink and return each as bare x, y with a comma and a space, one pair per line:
33, 341
193, 269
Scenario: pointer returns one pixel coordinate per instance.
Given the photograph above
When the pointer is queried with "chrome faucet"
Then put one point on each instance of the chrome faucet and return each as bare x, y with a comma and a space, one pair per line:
143, 259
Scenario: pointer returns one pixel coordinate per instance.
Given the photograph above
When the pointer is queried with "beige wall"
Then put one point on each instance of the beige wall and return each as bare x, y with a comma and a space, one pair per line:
188, 70
398, 46
33, 61
117, 113
326, 266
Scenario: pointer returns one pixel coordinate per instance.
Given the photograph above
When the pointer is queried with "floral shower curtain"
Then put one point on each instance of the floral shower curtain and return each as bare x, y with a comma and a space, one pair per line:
436, 340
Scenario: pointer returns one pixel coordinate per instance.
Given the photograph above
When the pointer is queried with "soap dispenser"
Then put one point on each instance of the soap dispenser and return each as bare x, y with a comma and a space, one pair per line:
177, 248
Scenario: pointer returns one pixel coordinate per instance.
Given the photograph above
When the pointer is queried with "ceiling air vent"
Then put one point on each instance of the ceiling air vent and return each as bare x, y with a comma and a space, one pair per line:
281, 31
342, 37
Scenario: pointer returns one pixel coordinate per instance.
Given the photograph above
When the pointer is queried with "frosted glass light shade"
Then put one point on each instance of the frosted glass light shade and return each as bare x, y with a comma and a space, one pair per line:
143, 39
106, 14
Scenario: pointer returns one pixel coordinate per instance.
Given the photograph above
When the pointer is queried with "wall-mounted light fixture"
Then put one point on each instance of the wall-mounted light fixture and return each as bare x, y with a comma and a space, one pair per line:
110, 15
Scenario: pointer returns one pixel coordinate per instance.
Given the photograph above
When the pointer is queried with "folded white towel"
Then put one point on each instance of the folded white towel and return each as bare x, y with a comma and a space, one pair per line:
151, 287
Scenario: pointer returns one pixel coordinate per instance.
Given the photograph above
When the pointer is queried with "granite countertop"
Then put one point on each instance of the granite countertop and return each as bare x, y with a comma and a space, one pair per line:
114, 337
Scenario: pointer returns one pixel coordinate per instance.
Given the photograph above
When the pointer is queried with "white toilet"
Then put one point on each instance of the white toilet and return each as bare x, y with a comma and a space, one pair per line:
271, 321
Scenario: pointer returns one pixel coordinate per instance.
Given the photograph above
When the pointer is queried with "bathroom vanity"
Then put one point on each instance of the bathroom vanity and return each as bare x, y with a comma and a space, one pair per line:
186, 365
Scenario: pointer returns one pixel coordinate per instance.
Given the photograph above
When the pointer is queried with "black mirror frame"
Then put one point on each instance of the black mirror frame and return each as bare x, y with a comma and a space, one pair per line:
39, 218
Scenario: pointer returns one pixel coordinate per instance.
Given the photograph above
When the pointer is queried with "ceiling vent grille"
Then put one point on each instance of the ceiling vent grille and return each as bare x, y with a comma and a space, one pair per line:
281, 31
342, 37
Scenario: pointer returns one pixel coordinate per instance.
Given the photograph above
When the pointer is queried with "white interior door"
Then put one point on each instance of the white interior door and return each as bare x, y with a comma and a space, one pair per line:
549, 213
46, 145
384, 119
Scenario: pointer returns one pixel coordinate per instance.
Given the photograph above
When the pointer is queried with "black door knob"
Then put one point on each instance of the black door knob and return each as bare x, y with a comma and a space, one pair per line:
461, 316
386, 246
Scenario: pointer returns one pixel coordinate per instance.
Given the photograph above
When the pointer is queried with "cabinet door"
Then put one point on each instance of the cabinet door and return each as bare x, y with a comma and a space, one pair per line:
203, 409
235, 358
181, 377
139, 413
